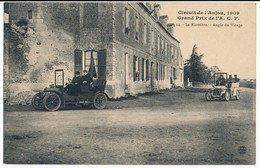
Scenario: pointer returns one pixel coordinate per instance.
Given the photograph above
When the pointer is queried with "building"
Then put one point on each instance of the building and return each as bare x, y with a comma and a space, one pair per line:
129, 45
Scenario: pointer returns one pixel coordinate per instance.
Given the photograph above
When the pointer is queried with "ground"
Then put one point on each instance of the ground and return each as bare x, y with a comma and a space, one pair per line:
171, 127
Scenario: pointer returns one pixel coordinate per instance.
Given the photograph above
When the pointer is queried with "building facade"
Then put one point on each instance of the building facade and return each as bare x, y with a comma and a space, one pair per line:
128, 44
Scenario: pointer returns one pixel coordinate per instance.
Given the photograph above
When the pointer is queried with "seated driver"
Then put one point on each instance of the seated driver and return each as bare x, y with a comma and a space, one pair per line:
221, 81
86, 78
76, 78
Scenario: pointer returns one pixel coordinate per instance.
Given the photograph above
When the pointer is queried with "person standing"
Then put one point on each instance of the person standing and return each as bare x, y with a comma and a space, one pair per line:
236, 79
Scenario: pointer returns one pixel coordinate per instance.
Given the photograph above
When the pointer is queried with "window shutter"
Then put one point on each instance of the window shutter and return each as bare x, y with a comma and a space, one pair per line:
102, 54
134, 68
77, 61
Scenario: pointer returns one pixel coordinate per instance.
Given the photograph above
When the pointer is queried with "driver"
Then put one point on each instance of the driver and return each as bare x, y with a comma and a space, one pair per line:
221, 81
76, 78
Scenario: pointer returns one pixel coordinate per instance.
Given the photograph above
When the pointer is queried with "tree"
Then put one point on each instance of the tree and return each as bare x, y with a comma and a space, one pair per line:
196, 71
213, 70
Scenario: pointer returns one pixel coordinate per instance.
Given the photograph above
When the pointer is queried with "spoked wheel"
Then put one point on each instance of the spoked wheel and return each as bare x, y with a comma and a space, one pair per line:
37, 102
100, 101
237, 96
52, 102
227, 96
208, 96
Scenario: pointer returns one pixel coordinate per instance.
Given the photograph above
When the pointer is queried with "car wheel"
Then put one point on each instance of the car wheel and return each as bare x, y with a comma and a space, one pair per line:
208, 96
100, 101
237, 96
52, 102
227, 96
37, 101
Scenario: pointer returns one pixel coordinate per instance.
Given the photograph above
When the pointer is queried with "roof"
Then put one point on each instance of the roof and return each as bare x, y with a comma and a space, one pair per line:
149, 12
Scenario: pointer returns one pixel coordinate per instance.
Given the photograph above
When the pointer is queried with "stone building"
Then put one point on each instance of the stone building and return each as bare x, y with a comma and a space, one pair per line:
129, 45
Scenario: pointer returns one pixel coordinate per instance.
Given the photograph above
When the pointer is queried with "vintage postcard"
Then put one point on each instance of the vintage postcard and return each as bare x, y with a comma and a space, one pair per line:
129, 83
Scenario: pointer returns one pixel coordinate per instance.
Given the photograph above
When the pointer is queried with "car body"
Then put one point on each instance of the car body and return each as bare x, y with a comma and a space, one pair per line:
58, 96
223, 90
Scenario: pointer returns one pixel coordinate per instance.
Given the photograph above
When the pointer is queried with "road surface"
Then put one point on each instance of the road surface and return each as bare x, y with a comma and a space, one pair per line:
173, 127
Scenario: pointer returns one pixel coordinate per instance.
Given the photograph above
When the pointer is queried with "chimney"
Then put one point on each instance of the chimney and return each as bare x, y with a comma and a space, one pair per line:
157, 8
163, 20
149, 6
170, 28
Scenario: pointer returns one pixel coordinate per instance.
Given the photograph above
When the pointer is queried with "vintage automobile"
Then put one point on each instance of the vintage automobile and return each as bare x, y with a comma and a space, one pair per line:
58, 96
223, 88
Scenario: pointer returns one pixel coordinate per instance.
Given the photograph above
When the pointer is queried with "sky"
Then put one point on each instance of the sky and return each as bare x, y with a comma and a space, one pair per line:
231, 48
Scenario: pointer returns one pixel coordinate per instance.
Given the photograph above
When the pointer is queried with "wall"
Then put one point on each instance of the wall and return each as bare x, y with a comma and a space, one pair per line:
45, 43
128, 44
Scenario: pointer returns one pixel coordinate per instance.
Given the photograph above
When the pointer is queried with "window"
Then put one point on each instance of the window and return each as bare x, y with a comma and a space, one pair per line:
160, 71
136, 28
157, 71
136, 69
177, 57
127, 27
152, 39
162, 46
174, 73
90, 63
172, 52
176, 52
143, 69
166, 49
90, 19
158, 43
147, 70
145, 32
30, 14
164, 72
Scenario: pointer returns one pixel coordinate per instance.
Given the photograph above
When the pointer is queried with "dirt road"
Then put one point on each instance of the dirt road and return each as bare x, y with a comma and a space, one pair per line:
169, 128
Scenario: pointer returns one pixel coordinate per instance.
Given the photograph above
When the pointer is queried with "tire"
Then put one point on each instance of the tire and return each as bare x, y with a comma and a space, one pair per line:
52, 102
208, 96
37, 101
237, 96
100, 101
227, 96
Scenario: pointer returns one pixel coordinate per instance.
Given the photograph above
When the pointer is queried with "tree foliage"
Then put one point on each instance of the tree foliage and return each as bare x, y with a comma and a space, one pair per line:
197, 71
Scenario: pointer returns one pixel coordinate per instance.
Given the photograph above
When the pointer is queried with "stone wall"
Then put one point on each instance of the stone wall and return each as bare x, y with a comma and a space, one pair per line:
45, 42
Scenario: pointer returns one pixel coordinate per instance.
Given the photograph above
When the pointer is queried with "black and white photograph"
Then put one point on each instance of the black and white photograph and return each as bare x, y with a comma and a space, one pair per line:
129, 83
